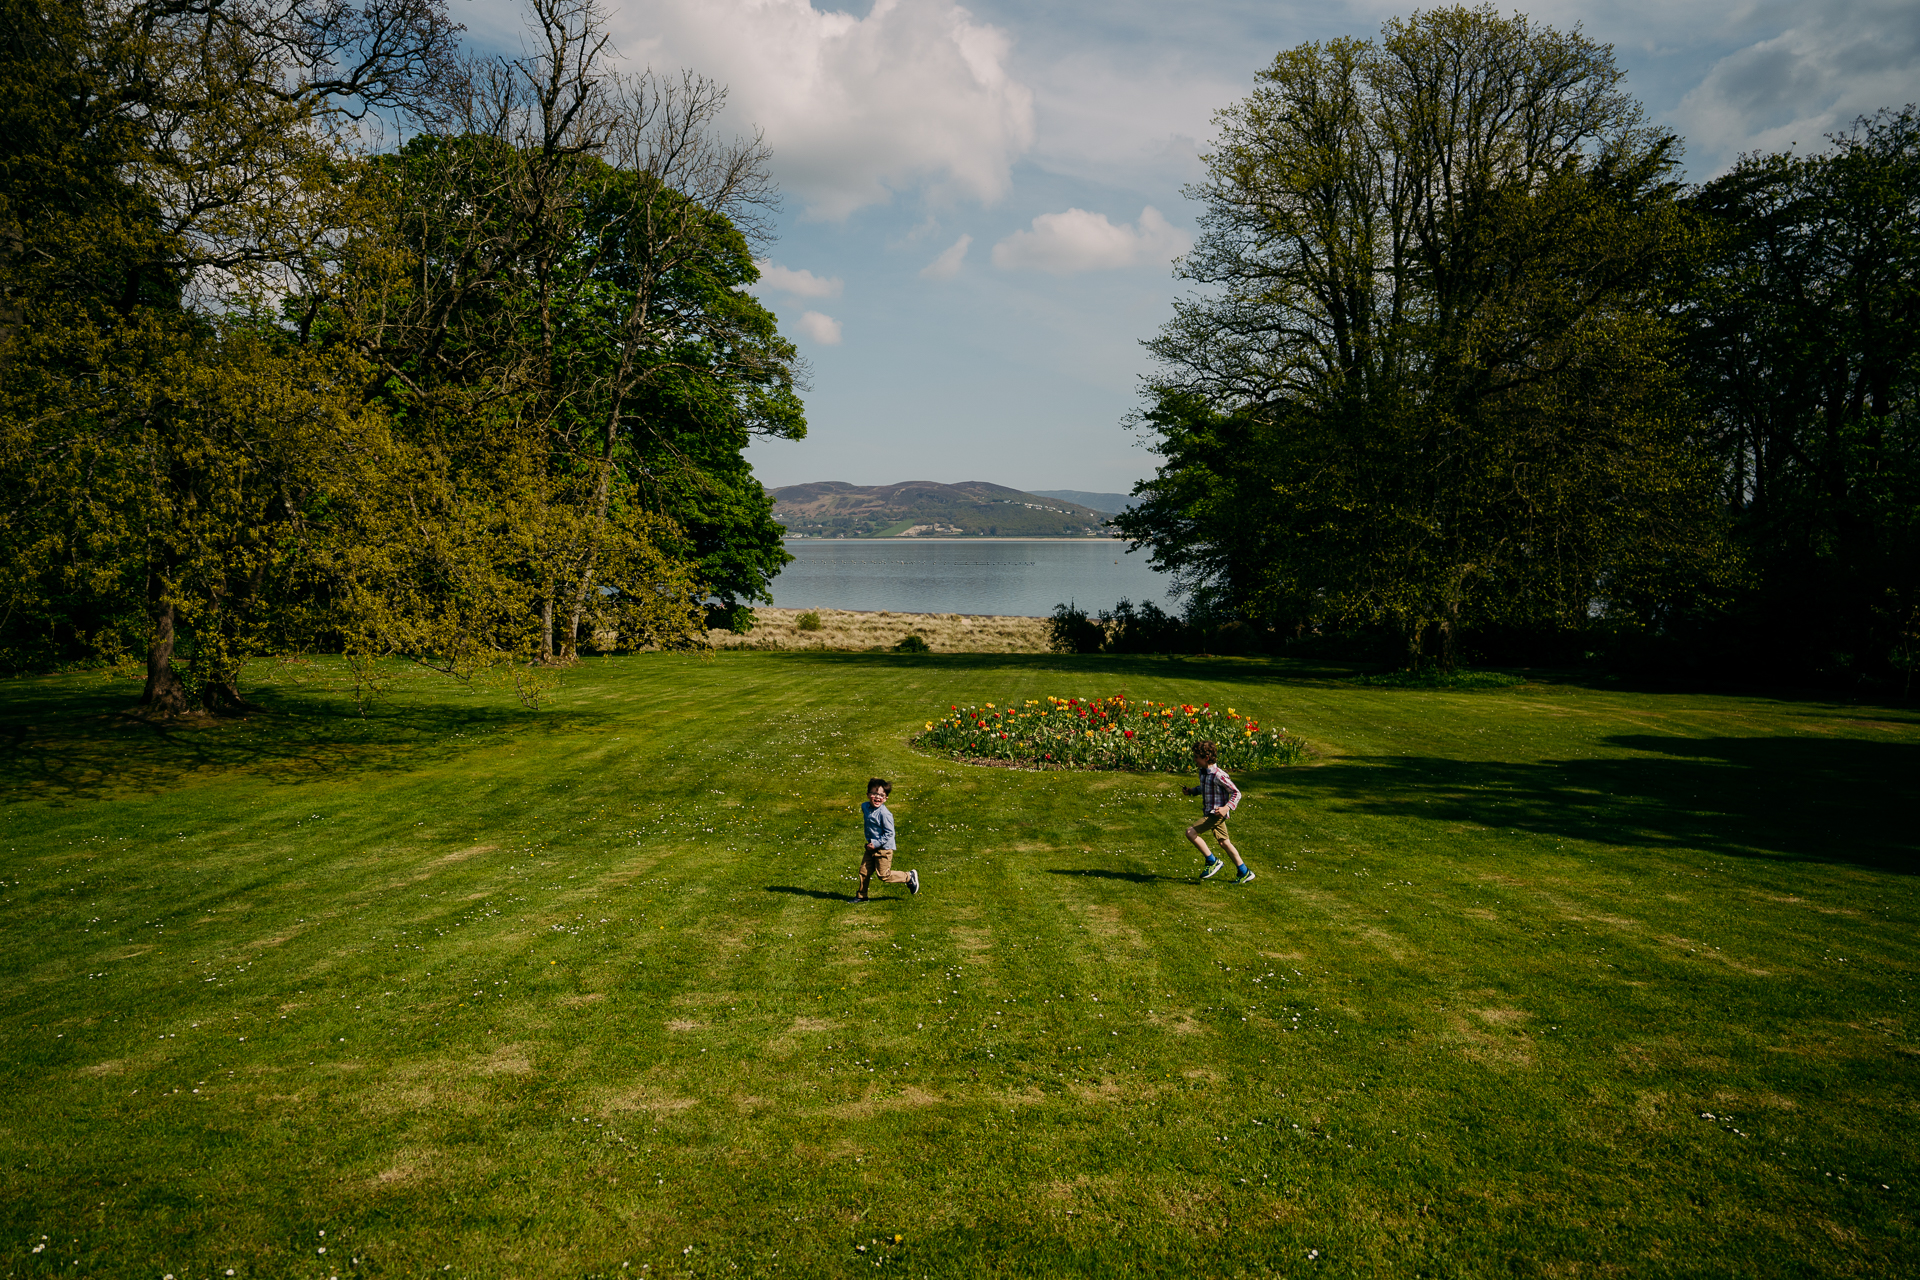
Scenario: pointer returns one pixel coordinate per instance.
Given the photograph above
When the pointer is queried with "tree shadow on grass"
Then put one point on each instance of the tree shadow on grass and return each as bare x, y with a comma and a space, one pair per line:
799, 892
1088, 666
1283, 669
1838, 800
61, 745
1130, 877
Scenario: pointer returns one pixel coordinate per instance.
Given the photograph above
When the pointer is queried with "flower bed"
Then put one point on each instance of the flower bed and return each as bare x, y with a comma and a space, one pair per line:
1106, 733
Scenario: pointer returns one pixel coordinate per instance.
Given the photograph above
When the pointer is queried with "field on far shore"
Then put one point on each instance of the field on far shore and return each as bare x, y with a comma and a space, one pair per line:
1537, 981
850, 629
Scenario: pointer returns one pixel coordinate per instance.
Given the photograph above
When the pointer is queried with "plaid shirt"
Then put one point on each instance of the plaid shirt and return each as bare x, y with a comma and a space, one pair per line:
1216, 789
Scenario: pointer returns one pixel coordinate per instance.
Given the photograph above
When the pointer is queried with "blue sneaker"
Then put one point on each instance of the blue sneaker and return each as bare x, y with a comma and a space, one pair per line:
1212, 868
1246, 874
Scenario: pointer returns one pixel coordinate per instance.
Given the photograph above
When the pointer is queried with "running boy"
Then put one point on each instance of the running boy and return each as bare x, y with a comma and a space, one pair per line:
878, 859
1218, 796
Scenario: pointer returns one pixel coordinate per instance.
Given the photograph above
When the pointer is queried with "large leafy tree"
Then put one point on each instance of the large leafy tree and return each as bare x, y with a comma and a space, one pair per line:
1430, 350
560, 274
261, 388
167, 168
1805, 346
683, 367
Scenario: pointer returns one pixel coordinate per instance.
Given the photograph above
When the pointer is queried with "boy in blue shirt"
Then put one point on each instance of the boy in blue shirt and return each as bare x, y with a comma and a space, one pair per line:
1218, 797
878, 859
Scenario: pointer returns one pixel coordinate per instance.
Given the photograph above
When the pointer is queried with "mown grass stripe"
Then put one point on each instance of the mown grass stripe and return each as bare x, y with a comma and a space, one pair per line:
1550, 978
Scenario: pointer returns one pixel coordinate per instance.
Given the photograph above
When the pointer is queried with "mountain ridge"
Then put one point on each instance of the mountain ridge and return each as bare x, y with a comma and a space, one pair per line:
1108, 503
929, 509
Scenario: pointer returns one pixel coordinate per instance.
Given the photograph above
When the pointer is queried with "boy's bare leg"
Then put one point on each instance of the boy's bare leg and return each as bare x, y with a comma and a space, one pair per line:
1199, 842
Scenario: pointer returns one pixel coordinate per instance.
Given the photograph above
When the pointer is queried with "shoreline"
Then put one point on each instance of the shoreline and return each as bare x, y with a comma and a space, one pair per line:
801, 537
823, 611
777, 627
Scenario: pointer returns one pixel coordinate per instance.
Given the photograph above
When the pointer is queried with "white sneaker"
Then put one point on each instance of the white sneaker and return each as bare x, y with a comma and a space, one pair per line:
913, 882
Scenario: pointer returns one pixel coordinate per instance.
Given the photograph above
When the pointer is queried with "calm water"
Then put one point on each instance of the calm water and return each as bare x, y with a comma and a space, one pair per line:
963, 575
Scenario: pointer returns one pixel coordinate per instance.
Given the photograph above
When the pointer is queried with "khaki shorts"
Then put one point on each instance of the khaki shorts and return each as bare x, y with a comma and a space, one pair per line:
1217, 824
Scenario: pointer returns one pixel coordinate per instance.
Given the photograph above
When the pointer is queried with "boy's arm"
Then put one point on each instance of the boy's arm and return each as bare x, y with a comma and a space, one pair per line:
1233, 792
886, 824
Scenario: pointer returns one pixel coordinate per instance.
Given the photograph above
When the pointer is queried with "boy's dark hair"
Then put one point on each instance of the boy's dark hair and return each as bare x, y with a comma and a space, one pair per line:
880, 784
1203, 752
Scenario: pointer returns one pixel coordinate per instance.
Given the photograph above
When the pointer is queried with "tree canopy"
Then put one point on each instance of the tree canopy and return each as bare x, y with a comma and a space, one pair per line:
479, 399
1804, 349
1427, 381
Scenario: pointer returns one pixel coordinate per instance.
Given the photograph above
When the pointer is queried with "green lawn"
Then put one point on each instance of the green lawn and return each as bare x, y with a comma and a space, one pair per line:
1546, 980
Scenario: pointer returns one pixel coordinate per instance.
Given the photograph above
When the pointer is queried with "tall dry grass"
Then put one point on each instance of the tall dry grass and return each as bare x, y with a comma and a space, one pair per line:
846, 629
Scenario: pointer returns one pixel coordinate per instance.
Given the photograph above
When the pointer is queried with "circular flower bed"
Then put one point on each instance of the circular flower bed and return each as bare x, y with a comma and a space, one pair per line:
1106, 733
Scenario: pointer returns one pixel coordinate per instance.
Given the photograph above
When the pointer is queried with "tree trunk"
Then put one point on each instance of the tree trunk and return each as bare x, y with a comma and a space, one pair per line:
579, 611
164, 692
223, 698
546, 631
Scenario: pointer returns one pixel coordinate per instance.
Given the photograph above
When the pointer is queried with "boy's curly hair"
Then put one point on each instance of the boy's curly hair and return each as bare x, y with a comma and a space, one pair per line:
1204, 753
879, 784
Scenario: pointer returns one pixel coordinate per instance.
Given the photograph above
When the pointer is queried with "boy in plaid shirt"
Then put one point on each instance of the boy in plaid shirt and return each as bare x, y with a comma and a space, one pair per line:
1218, 796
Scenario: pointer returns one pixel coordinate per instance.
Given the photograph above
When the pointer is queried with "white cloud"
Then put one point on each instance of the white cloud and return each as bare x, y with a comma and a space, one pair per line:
1129, 117
1063, 243
915, 94
947, 265
823, 329
1847, 59
801, 284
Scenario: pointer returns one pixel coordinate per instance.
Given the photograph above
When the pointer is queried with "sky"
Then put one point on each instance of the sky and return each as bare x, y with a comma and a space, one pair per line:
981, 203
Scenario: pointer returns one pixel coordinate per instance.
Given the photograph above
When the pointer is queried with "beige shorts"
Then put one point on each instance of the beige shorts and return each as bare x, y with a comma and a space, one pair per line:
1217, 824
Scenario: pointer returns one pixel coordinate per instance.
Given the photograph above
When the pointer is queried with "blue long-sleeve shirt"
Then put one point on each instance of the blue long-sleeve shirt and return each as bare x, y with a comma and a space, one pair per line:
879, 824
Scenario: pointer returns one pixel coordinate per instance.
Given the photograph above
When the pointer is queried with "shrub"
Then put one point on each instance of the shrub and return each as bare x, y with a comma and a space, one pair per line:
1125, 628
808, 621
1106, 733
737, 618
913, 644
1071, 631
1144, 628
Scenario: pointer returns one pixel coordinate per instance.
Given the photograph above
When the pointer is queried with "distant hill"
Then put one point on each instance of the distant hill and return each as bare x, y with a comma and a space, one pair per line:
1111, 503
923, 509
